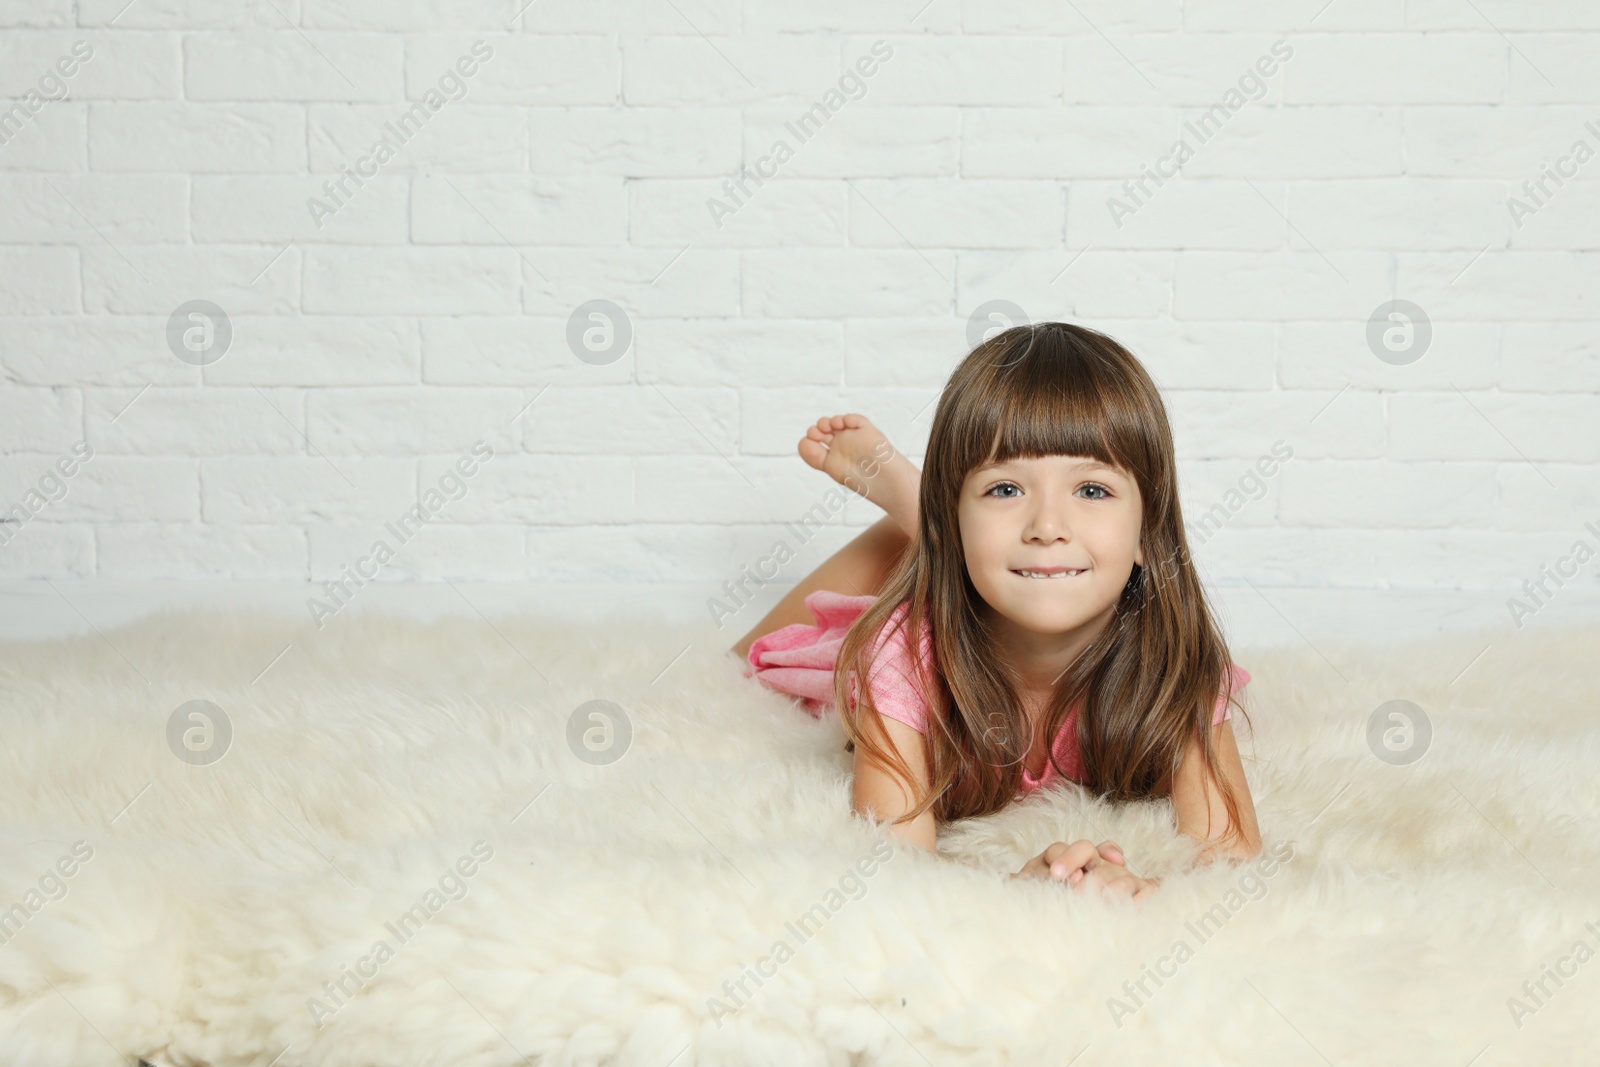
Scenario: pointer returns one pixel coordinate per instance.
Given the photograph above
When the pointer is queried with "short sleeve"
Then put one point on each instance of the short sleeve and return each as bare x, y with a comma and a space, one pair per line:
894, 693
1238, 677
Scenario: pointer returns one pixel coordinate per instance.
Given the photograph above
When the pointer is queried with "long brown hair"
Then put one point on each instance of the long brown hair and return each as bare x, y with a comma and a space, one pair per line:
1148, 681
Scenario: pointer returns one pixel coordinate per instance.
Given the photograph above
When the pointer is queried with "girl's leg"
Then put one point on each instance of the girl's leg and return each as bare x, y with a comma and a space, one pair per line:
857, 569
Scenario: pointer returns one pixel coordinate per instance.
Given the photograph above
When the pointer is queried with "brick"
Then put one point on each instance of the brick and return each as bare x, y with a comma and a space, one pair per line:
1550, 357
188, 15
1189, 69
202, 550
919, 352
634, 420
843, 16
526, 70
861, 142
1505, 15
39, 281
1492, 142
823, 283
90, 350
1548, 498
710, 213
660, 552
40, 419
507, 350
35, 13
1554, 68
1204, 213
308, 489
406, 15
434, 553
645, 282
1057, 143
770, 352
494, 209
1397, 68
1068, 283
1230, 16
55, 139
929, 213
411, 281
1376, 494
107, 489
645, 142
92, 209
292, 66
276, 210
1281, 286
1301, 142
1511, 427
730, 70
553, 490
395, 420
1219, 494
461, 138
1317, 425
120, 65
156, 279
1200, 355
1332, 355
1410, 213
1554, 218
319, 350
712, 489
1501, 285
197, 138
638, 16
1021, 71
774, 420
53, 550
165, 420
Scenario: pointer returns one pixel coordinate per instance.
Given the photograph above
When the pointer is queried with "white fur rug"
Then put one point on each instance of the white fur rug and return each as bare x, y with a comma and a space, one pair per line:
565, 912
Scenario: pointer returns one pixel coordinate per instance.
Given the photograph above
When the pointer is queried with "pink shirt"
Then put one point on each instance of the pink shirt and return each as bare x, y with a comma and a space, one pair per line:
798, 659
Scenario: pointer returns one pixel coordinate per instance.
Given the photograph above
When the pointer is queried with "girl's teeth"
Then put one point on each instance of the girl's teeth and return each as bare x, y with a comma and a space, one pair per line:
1058, 574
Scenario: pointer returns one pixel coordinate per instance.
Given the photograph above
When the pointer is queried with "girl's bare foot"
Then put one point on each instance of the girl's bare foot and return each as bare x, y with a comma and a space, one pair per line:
856, 454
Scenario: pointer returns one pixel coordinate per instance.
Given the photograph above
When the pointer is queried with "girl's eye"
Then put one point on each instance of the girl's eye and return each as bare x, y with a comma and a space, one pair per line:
1103, 489
1003, 485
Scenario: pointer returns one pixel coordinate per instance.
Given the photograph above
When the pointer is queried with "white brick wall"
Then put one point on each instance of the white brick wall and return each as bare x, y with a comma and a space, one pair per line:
372, 345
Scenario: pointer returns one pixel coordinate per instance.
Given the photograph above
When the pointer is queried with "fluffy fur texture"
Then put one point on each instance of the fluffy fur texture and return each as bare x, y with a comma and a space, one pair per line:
371, 756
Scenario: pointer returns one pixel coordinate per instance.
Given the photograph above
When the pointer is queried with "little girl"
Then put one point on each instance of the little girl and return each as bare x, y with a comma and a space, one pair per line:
1039, 565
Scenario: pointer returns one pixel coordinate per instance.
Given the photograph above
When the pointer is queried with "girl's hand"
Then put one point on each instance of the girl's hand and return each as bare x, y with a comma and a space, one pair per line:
1062, 861
1111, 879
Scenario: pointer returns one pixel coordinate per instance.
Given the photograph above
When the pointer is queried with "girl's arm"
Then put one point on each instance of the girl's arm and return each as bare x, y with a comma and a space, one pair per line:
880, 794
1197, 800
884, 792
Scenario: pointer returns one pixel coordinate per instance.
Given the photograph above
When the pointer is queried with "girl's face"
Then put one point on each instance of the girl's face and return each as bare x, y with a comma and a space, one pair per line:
1046, 514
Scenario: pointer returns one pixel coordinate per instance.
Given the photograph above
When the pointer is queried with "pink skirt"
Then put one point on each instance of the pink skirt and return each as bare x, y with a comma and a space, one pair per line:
798, 659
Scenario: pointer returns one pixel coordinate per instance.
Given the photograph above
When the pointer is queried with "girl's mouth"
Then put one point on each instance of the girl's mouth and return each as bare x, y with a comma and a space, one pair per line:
1050, 575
